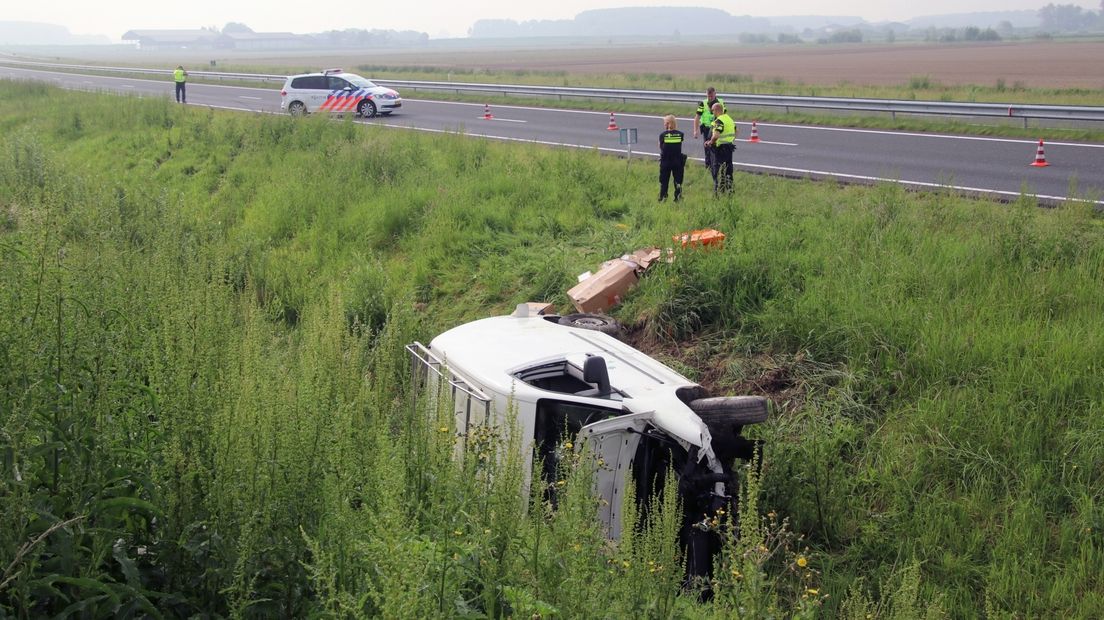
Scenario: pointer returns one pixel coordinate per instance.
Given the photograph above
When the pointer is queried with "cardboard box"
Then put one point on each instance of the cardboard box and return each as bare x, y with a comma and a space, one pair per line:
699, 238
604, 289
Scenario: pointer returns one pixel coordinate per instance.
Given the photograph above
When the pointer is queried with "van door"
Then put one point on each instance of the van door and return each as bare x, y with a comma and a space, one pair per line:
613, 444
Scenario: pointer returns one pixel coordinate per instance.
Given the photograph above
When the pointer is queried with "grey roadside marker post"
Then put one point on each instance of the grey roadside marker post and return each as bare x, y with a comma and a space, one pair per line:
628, 138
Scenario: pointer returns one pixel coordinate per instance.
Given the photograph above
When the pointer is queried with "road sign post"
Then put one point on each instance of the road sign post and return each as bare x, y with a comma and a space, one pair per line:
628, 138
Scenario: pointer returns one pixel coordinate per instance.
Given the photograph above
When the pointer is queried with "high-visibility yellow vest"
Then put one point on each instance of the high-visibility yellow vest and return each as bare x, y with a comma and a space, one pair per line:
179, 75
672, 138
727, 129
707, 113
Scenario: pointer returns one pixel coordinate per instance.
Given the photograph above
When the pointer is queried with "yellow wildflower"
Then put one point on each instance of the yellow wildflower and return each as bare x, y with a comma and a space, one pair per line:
802, 562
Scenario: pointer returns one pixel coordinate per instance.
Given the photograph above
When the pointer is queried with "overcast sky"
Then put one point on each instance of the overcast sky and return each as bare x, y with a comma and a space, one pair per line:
437, 17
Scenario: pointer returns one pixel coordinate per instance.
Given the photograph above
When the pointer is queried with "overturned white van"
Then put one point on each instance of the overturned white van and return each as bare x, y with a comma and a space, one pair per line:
558, 376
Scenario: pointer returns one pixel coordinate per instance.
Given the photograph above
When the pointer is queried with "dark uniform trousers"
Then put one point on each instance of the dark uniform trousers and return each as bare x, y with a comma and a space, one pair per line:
181, 95
706, 133
666, 171
722, 168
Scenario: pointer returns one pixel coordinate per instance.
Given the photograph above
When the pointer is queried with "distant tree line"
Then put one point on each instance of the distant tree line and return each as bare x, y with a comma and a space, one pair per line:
1070, 18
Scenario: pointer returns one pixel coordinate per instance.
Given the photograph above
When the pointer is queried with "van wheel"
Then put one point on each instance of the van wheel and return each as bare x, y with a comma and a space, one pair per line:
366, 109
594, 322
296, 108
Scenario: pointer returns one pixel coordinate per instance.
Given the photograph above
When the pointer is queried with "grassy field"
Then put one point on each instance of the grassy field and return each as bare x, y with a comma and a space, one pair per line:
204, 405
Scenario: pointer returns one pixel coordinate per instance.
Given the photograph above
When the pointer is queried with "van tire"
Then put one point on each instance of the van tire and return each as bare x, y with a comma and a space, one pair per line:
593, 322
739, 410
296, 108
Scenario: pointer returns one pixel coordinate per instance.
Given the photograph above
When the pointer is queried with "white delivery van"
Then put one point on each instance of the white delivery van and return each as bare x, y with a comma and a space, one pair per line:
549, 377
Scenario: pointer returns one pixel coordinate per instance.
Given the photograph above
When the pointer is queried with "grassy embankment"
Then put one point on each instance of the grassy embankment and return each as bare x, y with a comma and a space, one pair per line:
203, 393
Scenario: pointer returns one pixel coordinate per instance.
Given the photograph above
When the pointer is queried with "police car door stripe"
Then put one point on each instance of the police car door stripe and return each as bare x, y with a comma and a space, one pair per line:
351, 99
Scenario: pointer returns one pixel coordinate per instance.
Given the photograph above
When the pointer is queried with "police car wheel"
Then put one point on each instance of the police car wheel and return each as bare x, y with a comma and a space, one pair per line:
297, 108
367, 109
596, 322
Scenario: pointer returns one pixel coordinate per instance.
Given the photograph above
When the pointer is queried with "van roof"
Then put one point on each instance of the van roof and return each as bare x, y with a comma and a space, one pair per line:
491, 350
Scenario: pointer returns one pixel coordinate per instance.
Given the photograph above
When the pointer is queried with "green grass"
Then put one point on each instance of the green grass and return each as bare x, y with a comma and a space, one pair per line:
205, 407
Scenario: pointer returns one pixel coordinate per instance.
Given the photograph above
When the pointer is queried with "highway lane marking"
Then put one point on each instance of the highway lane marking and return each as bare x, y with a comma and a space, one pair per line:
861, 177
247, 97
502, 120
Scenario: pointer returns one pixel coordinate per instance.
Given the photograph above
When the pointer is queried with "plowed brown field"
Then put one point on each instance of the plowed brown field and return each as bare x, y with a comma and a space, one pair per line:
1034, 65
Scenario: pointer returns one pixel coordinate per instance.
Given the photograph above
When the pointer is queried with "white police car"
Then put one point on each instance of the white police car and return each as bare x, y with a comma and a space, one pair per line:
336, 92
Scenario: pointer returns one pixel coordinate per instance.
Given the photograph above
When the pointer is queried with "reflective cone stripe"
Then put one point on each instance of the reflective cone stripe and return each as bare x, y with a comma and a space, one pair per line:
1040, 156
754, 132
612, 124
487, 112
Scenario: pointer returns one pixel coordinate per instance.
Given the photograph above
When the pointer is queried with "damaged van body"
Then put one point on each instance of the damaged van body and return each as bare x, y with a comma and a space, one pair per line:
640, 419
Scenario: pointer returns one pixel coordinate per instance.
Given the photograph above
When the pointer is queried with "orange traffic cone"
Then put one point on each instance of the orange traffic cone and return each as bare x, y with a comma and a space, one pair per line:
613, 124
1040, 156
487, 112
754, 132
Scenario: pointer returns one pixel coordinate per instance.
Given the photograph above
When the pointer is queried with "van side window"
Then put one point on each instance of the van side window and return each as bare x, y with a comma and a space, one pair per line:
557, 420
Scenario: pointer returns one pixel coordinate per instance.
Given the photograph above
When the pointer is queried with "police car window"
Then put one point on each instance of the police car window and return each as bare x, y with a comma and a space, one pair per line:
337, 83
309, 82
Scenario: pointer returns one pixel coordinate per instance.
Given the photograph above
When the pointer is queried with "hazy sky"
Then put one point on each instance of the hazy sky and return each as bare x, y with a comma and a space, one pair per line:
436, 17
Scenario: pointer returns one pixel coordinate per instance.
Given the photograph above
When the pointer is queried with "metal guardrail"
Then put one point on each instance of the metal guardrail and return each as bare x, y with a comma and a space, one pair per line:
890, 106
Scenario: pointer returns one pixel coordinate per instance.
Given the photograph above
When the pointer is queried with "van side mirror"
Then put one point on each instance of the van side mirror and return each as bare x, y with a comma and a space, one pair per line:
594, 371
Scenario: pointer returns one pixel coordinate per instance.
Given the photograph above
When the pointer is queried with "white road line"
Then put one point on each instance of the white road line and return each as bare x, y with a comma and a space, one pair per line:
127, 86
766, 142
502, 120
245, 97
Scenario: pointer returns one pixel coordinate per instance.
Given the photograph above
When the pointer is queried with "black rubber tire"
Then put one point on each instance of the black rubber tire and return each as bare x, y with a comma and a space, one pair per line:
739, 410
366, 109
593, 322
296, 108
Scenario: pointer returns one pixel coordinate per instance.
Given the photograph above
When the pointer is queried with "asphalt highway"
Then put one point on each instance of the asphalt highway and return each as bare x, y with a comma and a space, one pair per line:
974, 164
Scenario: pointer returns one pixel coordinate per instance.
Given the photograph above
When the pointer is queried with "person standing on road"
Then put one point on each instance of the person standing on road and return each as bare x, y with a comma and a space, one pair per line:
180, 76
671, 159
722, 141
703, 122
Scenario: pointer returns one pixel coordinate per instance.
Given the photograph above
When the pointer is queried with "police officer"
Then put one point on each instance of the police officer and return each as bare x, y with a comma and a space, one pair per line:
671, 159
722, 140
703, 122
180, 76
